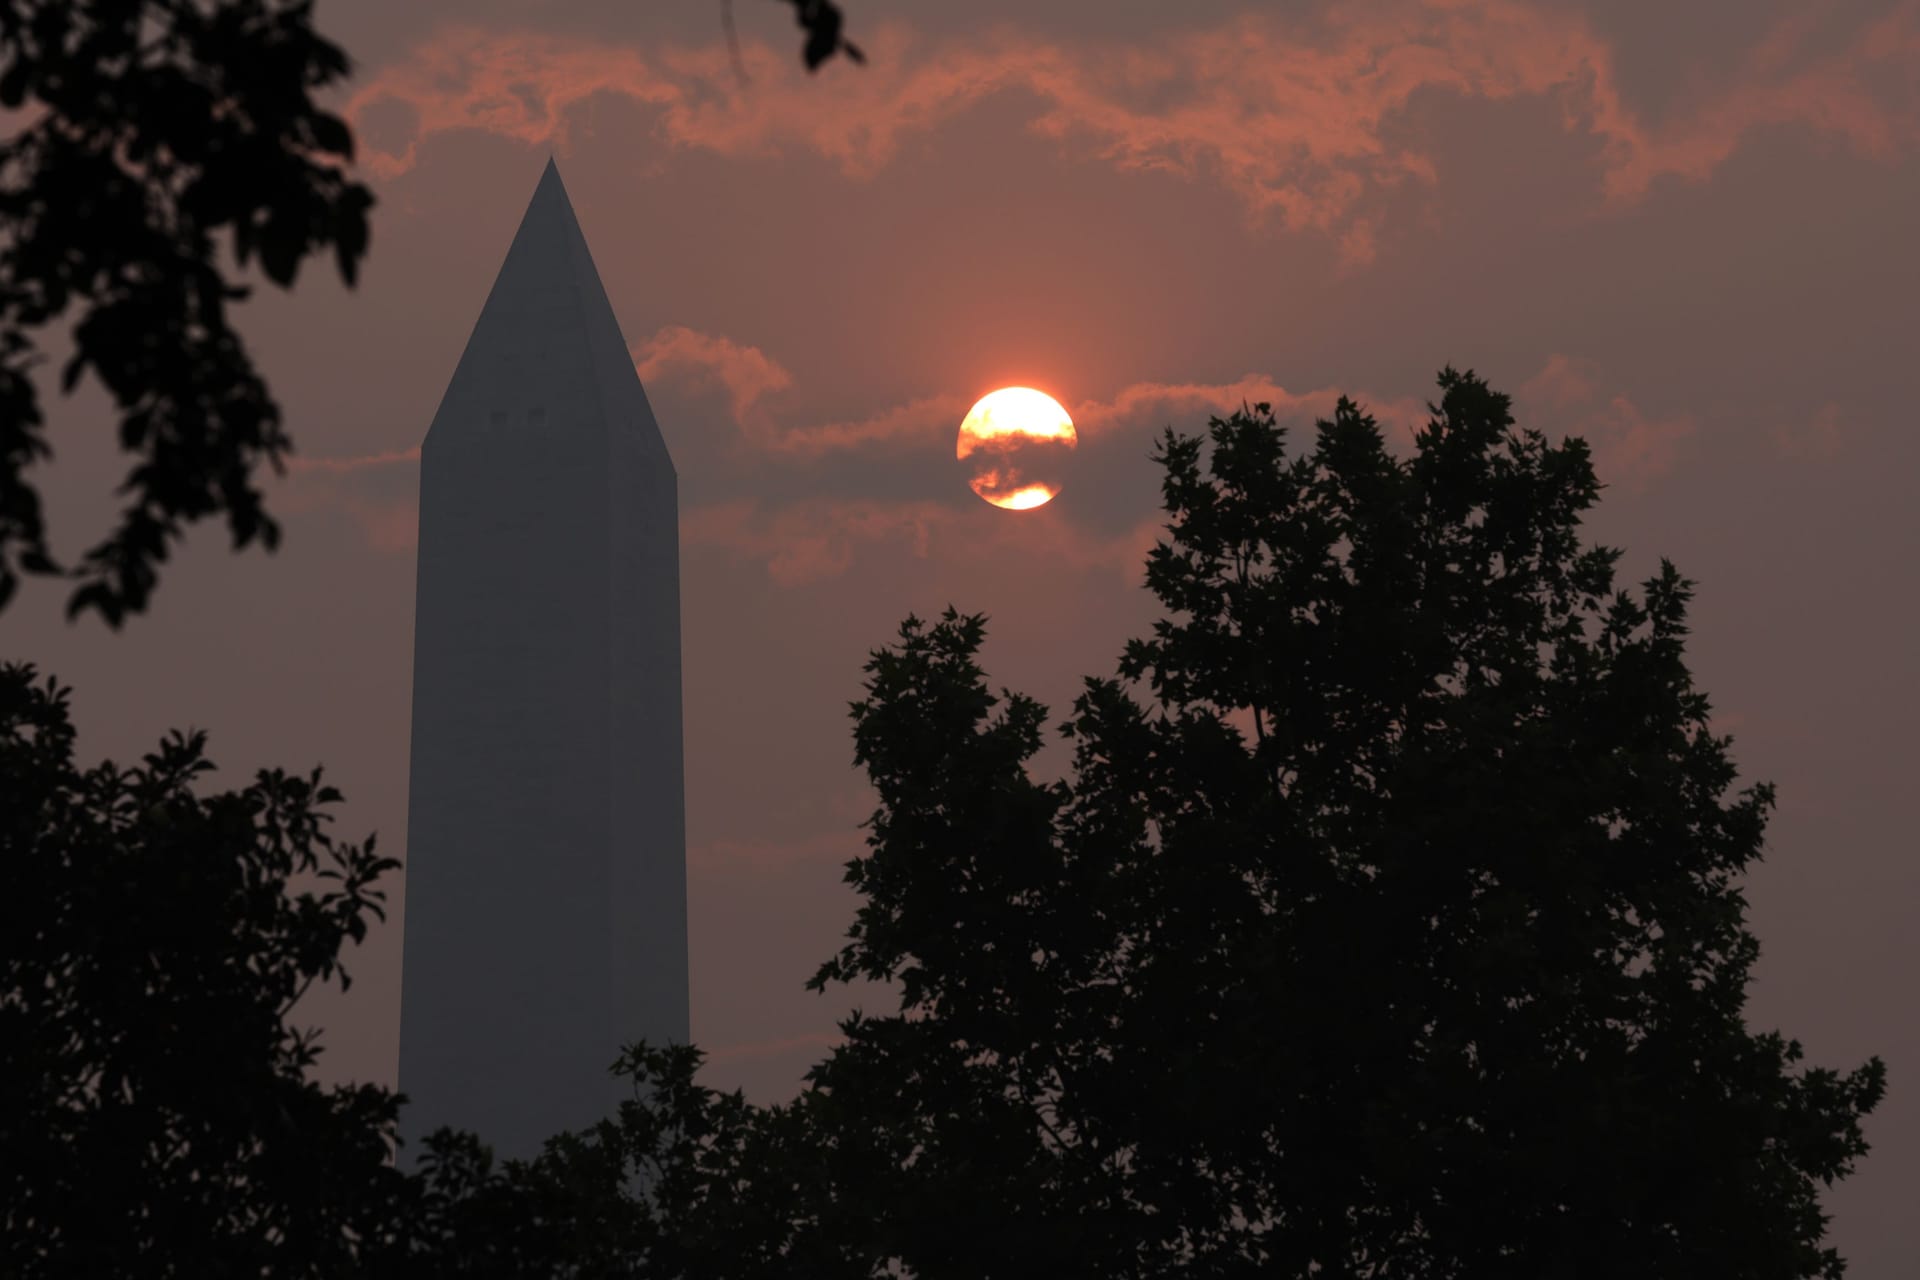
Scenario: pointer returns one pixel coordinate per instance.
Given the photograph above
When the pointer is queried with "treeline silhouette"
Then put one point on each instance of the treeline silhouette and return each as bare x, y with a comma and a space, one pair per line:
1388, 923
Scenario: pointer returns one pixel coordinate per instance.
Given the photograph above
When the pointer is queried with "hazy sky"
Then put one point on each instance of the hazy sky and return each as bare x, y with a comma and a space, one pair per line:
1684, 231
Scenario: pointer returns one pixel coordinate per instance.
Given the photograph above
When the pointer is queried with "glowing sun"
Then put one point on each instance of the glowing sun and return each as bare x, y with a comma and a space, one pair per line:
1018, 439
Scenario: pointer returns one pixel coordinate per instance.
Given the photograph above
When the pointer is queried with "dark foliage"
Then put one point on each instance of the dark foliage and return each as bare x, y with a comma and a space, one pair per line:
685, 1181
823, 22
155, 131
1388, 926
155, 1117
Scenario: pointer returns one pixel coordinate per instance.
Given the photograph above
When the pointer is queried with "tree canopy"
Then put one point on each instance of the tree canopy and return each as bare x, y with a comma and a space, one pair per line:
155, 133
158, 1118
1388, 924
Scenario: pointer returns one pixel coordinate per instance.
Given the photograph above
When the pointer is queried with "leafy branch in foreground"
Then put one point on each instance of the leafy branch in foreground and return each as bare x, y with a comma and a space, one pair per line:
152, 133
159, 1118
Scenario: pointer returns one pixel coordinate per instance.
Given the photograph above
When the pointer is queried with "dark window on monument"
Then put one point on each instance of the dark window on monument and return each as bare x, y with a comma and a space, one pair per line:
497, 418
536, 416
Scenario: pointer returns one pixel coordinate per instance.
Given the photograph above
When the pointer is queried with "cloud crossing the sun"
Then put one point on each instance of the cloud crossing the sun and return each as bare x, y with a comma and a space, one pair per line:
747, 376
806, 541
1304, 119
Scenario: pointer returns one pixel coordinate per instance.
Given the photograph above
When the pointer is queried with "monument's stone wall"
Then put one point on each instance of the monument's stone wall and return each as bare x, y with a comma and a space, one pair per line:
545, 912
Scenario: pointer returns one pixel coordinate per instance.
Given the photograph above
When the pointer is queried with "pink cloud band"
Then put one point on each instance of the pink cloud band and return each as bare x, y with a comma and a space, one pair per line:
1302, 119
805, 542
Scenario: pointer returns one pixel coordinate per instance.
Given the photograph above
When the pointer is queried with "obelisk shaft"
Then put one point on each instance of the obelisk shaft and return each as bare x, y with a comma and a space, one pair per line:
545, 913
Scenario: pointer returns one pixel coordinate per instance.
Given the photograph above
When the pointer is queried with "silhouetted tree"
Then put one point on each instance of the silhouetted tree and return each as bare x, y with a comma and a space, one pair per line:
155, 1114
1388, 925
683, 1182
150, 133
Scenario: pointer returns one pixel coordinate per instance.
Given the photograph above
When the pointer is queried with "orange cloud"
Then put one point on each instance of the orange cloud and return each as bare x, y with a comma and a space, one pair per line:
298, 465
1178, 403
936, 417
386, 524
313, 484
1630, 448
1863, 93
1301, 119
1563, 384
1565, 396
745, 373
1820, 438
748, 375
812, 540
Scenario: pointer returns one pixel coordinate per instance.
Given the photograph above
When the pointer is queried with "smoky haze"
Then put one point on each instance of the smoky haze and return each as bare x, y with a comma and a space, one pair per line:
1683, 233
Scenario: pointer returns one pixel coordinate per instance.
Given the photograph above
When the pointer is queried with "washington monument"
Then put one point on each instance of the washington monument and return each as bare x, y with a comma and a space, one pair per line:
546, 891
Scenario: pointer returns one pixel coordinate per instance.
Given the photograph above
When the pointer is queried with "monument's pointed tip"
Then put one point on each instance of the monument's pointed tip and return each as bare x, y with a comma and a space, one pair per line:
548, 297
549, 210
550, 178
